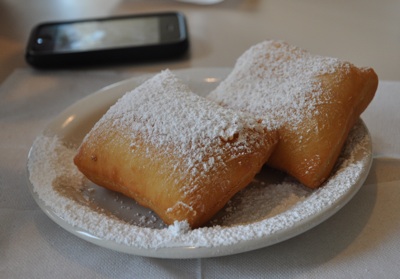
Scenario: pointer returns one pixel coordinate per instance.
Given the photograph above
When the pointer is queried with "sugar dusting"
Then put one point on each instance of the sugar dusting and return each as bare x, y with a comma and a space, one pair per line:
162, 118
261, 210
282, 78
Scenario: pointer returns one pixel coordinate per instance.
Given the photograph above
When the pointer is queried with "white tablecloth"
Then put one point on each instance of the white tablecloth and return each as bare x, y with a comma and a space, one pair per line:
360, 241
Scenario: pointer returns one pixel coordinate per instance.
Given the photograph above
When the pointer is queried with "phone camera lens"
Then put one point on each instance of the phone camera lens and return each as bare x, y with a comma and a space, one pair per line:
42, 42
43, 39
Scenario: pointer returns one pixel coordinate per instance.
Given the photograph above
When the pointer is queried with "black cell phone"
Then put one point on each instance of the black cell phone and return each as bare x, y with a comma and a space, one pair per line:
108, 40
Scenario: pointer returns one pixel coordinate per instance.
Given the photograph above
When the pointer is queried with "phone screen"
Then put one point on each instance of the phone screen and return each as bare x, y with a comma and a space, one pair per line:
108, 40
93, 35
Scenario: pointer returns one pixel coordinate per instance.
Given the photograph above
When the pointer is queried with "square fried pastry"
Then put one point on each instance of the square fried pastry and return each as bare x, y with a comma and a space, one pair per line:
313, 101
177, 153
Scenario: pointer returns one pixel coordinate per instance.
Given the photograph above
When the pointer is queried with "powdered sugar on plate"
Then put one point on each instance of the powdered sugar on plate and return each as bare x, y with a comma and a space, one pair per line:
273, 208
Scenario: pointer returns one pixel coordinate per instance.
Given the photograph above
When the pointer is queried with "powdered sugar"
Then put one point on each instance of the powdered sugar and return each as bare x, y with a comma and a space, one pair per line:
164, 113
187, 140
282, 78
289, 208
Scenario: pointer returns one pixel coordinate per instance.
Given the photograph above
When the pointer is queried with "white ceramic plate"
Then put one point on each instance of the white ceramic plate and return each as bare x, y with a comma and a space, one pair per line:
272, 209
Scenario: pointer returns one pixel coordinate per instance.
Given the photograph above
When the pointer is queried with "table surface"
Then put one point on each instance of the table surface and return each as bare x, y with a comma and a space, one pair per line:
360, 241
367, 34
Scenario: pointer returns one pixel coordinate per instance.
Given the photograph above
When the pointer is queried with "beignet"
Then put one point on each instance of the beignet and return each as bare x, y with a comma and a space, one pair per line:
179, 154
313, 102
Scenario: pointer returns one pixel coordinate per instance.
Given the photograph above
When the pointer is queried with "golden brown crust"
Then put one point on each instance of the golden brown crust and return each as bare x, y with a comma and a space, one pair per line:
312, 158
193, 172
312, 101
